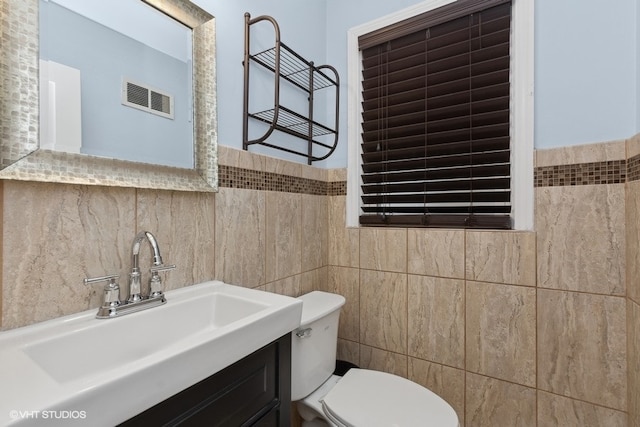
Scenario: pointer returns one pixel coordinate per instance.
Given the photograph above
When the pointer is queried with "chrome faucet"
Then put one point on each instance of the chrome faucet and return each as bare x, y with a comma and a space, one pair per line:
134, 283
112, 306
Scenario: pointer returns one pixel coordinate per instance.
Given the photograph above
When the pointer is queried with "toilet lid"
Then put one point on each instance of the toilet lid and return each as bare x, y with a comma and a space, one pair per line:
378, 399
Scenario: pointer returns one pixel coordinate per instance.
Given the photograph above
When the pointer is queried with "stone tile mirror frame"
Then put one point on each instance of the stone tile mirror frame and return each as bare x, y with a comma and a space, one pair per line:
20, 155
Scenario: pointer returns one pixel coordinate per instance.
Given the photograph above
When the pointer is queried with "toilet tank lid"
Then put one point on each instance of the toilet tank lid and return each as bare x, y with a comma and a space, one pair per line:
318, 304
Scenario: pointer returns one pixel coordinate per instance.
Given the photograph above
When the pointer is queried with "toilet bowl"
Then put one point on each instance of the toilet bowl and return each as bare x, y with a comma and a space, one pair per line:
360, 398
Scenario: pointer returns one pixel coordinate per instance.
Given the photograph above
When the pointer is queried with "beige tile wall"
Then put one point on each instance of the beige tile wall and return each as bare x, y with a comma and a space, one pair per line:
511, 328
1, 250
633, 319
55, 235
460, 318
633, 287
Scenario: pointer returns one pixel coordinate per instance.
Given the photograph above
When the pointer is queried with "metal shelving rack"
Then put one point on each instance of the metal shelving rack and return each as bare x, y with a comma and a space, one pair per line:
288, 65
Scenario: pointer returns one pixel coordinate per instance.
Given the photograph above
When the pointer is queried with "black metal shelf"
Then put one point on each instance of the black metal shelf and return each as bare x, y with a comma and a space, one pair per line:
294, 122
289, 66
294, 68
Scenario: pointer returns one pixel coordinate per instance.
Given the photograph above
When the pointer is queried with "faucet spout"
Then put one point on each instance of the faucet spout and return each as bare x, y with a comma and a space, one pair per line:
134, 284
135, 248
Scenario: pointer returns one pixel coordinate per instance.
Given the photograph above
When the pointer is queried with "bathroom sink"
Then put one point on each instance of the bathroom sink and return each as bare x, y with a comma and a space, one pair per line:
137, 337
80, 363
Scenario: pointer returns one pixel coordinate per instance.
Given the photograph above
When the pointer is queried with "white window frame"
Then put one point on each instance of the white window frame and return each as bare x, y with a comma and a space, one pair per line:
522, 108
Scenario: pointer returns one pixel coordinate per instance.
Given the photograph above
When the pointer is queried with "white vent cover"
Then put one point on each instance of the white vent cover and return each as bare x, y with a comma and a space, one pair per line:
145, 98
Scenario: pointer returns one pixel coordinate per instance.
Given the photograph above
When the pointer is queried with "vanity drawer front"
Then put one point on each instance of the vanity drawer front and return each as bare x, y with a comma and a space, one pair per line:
252, 391
244, 390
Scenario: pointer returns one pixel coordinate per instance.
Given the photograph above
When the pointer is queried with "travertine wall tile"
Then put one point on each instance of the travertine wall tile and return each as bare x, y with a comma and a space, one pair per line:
283, 167
348, 351
383, 310
445, 381
632, 240
240, 237
633, 146
299, 284
314, 280
382, 360
383, 249
345, 281
55, 236
284, 235
554, 410
581, 238
581, 344
313, 172
1, 250
586, 153
314, 231
632, 221
495, 403
339, 174
435, 252
501, 331
292, 286
501, 257
436, 319
228, 156
183, 224
633, 375
344, 243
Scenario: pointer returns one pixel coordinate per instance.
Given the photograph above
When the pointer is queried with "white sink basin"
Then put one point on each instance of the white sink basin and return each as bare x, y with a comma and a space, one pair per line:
128, 364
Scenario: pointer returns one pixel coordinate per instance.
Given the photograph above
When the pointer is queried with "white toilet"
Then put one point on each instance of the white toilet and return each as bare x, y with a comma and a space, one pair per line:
361, 398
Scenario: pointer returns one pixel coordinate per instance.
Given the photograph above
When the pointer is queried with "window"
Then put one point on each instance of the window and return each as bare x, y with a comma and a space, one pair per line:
436, 121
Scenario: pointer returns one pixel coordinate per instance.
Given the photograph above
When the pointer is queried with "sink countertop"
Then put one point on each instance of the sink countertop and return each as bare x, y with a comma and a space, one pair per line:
35, 388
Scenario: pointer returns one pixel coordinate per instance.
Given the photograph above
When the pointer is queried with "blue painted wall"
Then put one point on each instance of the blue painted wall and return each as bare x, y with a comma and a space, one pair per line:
303, 28
587, 63
104, 57
586, 71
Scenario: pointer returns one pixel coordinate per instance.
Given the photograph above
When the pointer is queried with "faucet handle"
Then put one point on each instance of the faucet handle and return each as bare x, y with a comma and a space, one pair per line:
155, 283
111, 289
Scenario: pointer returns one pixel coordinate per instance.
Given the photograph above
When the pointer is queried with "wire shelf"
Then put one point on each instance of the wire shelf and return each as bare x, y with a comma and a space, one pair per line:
294, 122
289, 66
294, 68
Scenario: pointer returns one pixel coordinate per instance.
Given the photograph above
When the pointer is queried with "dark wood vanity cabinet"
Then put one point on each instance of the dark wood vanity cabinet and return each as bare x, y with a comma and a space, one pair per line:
255, 391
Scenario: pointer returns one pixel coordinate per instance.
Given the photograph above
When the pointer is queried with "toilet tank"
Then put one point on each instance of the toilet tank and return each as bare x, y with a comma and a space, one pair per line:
314, 343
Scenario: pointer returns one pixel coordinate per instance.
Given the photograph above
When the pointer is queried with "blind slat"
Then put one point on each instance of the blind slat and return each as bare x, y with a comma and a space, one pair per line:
452, 173
448, 185
373, 156
445, 197
476, 220
450, 161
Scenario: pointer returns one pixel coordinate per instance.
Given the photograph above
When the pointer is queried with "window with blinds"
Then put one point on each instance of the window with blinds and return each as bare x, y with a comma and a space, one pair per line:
435, 130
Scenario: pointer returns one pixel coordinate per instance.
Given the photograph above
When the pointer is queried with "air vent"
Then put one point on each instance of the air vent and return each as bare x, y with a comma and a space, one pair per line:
146, 98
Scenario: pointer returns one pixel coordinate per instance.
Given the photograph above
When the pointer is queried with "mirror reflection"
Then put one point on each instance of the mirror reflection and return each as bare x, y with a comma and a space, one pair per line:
21, 156
116, 82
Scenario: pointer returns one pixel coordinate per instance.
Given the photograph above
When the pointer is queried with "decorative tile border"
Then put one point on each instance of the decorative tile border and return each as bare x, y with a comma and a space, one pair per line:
337, 188
633, 168
234, 177
609, 172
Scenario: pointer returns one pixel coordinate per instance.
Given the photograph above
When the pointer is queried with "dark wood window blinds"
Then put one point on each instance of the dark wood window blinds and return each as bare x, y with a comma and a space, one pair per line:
435, 131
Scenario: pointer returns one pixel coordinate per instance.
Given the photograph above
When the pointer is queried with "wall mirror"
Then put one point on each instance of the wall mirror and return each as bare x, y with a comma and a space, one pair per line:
26, 155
